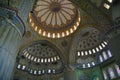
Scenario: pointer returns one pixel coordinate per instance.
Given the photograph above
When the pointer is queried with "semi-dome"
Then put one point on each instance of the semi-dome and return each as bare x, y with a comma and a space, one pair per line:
39, 58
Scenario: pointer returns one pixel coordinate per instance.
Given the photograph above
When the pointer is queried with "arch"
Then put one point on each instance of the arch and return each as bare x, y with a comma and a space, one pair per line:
77, 38
41, 55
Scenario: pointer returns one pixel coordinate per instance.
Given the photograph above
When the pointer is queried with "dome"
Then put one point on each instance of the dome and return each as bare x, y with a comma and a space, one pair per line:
54, 18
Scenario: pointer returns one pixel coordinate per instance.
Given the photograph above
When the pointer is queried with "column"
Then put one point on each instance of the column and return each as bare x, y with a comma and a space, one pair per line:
24, 9
70, 75
114, 41
10, 37
114, 44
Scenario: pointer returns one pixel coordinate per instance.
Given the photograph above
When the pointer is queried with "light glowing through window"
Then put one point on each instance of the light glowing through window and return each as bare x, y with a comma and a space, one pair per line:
105, 55
117, 69
105, 75
88, 64
86, 53
23, 67
100, 47
111, 72
101, 58
39, 72
109, 53
78, 53
19, 66
93, 63
93, 50
82, 53
53, 70
38, 60
35, 72
83, 65
106, 6
110, 1
97, 49
90, 52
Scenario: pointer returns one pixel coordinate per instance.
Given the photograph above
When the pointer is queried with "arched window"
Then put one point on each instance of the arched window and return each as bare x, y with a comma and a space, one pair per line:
93, 50
105, 55
105, 75
83, 65
19, 66
100, 58
88, 64
53, 70
90, 52
35, 72
93, 63
49, 71
31, 71
86, 53
82, 53
111, 72
107, 6
110, 1
39, 72
109, 53
78, 53
117, 69
23, 67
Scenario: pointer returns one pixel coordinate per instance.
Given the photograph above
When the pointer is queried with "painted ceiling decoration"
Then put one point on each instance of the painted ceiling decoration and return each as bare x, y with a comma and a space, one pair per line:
89, 39
54, 18
39, 58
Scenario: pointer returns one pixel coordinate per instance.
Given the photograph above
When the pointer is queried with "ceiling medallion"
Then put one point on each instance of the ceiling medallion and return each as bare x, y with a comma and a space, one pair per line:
54, 18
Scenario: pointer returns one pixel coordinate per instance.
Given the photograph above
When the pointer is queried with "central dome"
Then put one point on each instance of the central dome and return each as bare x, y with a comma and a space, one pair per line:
55, 7
55, 18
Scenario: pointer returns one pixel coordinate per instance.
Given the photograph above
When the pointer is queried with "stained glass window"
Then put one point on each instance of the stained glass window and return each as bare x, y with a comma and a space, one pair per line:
111, 72
105, 55
117, 69
105, 75
109, 53
101, 58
